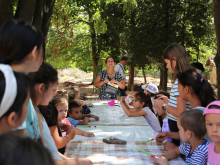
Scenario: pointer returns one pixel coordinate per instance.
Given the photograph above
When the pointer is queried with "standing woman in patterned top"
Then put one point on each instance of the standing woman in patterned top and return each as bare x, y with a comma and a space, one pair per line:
175, 58
109, 76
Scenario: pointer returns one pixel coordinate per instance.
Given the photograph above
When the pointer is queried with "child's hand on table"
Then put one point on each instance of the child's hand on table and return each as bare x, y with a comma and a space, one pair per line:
95, 117
88, 134
161, 161
161, 137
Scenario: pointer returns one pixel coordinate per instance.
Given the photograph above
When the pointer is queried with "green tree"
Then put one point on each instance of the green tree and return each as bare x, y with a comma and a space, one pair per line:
216, 11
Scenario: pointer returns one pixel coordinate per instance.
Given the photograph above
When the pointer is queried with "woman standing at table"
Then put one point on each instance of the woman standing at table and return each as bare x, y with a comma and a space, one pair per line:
107, 78
175, 58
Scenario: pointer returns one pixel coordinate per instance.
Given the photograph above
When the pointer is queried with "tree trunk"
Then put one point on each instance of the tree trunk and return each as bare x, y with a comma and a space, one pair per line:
161, 78
216, 13
38, 14
95, 57
6, 11
131, 77
25, 10
164, 77
167, 39
143, 71
95, 64
48, 10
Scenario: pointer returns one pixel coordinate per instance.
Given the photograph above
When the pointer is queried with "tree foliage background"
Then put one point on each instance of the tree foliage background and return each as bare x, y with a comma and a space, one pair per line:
82, 33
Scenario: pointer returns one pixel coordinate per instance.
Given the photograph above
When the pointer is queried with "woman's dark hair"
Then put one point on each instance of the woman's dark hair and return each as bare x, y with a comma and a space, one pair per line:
195, 121
176, 51
23, 151
199, 85
142, 97
22, 92
17, 40
73, 104
46, 74
137, 88
124, 58
108, 58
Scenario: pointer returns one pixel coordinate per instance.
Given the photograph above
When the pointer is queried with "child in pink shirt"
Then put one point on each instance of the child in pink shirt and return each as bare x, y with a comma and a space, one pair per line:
212, 117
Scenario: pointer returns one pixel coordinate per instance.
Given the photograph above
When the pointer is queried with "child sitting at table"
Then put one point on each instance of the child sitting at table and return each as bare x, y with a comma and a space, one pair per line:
75, 115
135, 89
151, 90
61, 105
142, 107
74, 96
161, 113
191, 125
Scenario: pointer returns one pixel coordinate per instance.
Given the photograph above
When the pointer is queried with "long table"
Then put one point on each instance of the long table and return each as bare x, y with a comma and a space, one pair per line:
114, 122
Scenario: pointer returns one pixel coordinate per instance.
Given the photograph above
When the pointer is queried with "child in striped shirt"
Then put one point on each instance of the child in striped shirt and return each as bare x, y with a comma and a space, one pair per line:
192, 129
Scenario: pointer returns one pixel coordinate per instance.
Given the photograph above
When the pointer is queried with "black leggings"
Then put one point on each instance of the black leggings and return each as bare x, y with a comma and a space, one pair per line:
173, 128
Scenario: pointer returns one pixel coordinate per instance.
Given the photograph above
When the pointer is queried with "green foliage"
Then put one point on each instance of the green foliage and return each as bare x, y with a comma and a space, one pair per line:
137, 29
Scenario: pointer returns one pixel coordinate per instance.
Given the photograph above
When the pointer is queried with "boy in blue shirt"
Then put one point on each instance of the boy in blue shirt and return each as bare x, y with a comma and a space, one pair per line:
75, 115
192, 129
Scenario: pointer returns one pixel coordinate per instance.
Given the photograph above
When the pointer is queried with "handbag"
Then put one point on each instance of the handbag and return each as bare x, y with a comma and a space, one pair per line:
111, 90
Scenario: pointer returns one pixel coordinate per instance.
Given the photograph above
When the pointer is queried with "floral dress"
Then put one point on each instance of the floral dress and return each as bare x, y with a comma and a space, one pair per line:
104, 95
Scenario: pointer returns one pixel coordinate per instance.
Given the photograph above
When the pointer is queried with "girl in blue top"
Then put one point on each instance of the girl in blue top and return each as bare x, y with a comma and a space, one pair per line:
43, 88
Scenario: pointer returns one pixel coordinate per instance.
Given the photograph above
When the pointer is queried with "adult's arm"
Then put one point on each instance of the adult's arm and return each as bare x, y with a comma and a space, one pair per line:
72, 161
121, 84
61, 141
98, 83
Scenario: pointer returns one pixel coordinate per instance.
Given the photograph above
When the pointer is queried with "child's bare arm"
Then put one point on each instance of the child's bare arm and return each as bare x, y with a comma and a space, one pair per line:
90, 115
83, 133
172, 154
84, 122
131, 112
61, 141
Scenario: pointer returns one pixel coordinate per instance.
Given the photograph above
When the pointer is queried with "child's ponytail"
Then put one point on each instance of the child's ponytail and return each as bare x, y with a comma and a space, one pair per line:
199, 85
206, 93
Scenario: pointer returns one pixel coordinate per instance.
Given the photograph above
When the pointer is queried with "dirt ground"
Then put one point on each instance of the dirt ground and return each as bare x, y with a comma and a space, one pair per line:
75, 78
